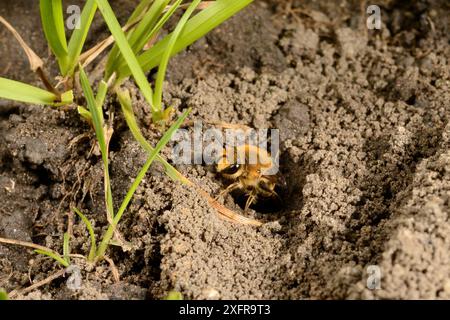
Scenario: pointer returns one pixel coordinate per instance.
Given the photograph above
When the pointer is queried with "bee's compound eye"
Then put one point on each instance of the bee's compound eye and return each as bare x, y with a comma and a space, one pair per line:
232, 169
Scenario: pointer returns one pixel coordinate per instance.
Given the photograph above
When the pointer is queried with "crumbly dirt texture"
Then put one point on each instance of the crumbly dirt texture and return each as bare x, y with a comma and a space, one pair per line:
363, 119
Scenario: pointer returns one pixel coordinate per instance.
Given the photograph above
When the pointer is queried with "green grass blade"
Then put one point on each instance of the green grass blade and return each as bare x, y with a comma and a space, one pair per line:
101, 95
174, 295
97, 117
95, 108
127, 110
88, 224
139, 10
99, 100
85, 114
126, 51
195, 28
53, 25
66, 98
164, 140
78, 38
58, 20
136, 37
54, 256
157, 98
66, 247
161, 22
3, 295
18, 91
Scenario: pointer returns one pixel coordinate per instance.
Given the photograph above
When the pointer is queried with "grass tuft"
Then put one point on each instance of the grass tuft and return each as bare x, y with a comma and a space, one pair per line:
98, 123
19, 91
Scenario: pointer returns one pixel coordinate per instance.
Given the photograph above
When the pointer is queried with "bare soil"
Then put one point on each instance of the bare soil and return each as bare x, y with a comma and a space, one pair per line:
363, 118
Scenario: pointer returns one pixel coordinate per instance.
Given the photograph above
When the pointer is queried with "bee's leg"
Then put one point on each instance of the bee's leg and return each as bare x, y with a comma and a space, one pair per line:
229, 189
250, 200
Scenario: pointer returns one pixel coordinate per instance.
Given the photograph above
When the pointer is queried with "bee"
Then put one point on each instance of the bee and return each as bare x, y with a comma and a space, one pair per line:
251, 170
